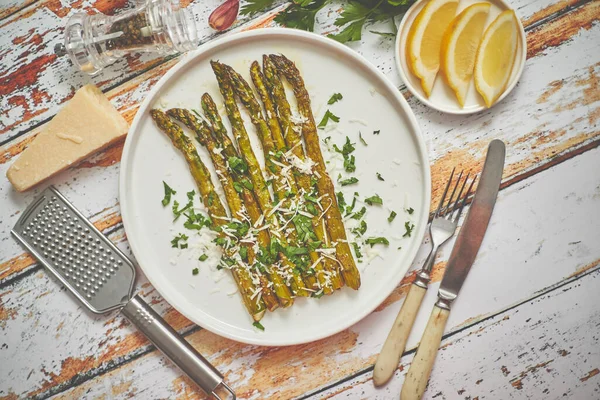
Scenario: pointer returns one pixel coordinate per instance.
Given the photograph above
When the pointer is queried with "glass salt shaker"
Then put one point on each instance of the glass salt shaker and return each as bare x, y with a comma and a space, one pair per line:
158, 26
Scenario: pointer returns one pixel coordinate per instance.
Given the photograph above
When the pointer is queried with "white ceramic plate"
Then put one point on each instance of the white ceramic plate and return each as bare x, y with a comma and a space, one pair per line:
442, 97
370, 103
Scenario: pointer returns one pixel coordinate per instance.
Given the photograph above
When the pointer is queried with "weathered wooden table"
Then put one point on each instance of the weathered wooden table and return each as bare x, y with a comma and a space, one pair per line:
527, 323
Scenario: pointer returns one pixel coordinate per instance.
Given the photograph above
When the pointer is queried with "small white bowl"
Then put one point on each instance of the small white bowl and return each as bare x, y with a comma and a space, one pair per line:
442, 97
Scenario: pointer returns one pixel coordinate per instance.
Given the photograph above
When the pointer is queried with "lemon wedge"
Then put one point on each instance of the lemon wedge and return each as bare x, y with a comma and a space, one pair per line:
459, 48
496, 56
425, 38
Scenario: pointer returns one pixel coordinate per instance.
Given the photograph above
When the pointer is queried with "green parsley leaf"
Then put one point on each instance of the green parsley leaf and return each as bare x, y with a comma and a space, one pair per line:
409, 228
247, 184
168, 192
359, 214
361, 229
375, 199
258, 325
377, 240
177, 212
237, 165
255, 6
380, 177
177, 241
244, 253
410, 210
361, 139
301, 15
350, 208
392, 216
349, 181
195, 271
190, 195
238, 187
328, 116
203, 257
340, 200
221, 241
349, 165
304, 228
357, 250
335, 98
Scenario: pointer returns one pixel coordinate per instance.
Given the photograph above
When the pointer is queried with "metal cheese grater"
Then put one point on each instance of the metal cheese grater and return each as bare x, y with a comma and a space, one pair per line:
102, 278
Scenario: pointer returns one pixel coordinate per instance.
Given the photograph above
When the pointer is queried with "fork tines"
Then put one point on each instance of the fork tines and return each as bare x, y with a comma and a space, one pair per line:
454, 205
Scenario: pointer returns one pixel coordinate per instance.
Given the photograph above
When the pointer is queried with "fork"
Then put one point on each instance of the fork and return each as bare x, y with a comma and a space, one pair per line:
441, 228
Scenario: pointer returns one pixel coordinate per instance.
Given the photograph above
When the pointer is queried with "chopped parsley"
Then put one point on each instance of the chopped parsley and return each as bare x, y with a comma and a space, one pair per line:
361, 139
376, 132
180, 241
359, 214
346, 150
304, 228
392, 216
374, 200
203, 257
195, 271
244, 254
410, 210
380, 177
247, 184
335, 98
237, 165
258, 325
340, 200
168, 192
377, 240
350, 208
349, 181
357, 250
409, 226
177, 212
221, 241
361, 229
328, 116
238, 187
195, 221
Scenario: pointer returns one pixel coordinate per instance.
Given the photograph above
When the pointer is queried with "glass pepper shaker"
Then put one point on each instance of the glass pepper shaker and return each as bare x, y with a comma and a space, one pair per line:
159, 26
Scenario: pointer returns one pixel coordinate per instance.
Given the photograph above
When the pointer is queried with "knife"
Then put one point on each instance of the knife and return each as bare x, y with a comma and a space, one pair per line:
461, 259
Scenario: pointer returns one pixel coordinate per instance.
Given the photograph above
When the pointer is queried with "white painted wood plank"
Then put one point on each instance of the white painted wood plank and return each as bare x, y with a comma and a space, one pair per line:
547, 348
508, 270
36, 82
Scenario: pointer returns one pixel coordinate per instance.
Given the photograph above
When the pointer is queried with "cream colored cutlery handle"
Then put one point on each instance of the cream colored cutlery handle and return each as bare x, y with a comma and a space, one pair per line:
420, 369
394, 345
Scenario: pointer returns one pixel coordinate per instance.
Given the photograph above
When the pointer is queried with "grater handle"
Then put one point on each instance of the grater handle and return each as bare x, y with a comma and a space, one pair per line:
174, 346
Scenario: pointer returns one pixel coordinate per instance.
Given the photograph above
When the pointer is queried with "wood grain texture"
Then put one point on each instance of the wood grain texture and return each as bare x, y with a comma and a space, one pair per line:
550, 118
550, 250
544, 349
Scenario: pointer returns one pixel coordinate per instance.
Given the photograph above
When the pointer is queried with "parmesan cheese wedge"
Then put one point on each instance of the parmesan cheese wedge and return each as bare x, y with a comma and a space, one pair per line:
86, 124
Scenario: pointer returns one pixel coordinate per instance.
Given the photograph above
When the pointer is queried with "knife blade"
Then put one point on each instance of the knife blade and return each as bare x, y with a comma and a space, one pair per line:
476, 222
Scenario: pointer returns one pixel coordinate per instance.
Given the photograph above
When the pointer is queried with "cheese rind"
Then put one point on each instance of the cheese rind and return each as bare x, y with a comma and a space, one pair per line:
86, 124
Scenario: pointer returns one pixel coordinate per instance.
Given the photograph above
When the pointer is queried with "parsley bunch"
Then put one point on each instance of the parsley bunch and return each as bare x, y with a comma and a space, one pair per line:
301, 14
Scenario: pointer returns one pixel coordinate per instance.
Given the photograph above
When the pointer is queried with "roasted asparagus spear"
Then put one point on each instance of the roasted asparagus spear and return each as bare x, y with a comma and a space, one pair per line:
270, 84
335, 223
284, 184
241, 203
252, 168
255, 305
240, 218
